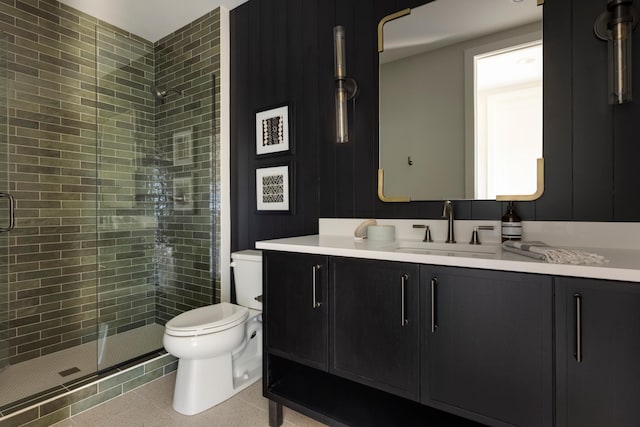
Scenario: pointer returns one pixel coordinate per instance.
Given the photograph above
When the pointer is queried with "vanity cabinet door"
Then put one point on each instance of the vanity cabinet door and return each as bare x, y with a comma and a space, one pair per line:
374, 324
487, 350
598, 347
295, 307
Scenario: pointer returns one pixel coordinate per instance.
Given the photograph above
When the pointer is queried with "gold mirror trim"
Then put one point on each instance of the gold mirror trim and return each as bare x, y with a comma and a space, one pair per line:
540, 2
381, 195
529, 197
386, 19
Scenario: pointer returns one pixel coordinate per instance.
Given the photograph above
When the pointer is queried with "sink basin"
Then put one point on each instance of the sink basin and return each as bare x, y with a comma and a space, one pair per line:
449, 249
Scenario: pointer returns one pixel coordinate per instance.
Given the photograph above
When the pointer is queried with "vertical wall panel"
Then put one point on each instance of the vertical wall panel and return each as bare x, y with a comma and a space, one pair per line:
626, 148
592, 116
326, 110
557, 201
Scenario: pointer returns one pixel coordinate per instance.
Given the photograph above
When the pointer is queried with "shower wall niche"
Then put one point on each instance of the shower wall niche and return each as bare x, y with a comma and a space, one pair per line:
117, 193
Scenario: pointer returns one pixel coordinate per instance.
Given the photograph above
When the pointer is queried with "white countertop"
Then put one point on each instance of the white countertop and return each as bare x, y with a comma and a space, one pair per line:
623, 265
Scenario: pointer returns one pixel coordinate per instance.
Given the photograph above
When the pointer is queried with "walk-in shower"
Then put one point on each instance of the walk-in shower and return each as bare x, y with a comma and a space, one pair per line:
116, 211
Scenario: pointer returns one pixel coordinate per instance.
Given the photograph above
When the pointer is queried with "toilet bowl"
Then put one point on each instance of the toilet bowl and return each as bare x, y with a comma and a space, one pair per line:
219, 347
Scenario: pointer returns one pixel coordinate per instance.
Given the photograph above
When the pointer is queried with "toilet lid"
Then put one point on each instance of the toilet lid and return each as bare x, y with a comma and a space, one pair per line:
207, 320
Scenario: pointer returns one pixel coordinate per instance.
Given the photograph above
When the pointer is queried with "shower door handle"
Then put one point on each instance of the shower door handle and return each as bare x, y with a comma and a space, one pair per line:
12, 212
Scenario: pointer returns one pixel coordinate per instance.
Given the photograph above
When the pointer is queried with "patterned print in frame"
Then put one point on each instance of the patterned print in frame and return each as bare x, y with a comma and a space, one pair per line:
272, 130
272, 188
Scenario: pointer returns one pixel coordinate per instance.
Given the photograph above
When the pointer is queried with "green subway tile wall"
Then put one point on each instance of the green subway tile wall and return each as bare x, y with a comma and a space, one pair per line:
117, 194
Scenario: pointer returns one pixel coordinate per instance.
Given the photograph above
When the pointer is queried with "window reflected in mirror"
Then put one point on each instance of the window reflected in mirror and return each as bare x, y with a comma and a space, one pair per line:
507, 89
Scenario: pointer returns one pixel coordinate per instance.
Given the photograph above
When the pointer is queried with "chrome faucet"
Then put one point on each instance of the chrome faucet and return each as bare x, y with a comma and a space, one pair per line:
448, 213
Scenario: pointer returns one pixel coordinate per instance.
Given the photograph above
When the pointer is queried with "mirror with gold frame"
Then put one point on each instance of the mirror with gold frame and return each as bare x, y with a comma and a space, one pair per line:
461, 101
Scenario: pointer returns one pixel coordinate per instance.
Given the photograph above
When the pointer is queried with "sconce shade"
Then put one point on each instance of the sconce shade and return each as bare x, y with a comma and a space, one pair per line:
342, 120
346, 88
616, 26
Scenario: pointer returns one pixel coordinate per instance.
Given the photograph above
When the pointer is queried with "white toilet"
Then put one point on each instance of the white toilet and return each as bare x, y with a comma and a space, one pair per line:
219, 346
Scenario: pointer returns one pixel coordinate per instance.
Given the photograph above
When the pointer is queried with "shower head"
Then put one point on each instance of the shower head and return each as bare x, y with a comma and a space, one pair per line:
160, 95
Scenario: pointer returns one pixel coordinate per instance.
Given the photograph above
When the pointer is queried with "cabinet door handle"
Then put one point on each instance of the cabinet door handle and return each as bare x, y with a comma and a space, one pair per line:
434, 325
12, 212
316, 303
578, 300
403, 309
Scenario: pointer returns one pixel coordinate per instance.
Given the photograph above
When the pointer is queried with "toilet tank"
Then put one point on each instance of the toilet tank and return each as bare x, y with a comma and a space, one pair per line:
247, 273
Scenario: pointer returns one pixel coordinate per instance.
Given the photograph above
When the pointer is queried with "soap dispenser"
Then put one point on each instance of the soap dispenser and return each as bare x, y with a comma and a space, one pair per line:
511, 224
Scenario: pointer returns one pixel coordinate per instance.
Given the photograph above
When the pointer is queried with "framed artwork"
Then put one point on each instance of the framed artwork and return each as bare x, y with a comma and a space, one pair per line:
272, 188
272, 130
182, 148
183, 194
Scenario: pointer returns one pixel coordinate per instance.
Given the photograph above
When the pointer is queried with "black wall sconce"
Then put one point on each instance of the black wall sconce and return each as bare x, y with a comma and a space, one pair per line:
346, 87
615, 26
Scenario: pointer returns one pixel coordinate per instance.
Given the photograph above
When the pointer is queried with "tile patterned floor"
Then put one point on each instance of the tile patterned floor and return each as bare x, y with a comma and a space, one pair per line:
150, 406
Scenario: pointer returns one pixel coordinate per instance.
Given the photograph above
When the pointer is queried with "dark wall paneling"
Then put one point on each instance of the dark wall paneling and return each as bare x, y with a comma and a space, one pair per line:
283, 52
592, 132
328, 177
556, 202
626, 148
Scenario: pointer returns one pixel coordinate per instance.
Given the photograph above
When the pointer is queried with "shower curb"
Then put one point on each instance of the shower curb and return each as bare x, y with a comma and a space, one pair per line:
92, 392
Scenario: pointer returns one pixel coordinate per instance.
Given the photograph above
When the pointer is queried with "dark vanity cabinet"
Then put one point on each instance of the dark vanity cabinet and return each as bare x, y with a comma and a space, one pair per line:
374, 324
295, 303
362, 342
487, 345
598, 353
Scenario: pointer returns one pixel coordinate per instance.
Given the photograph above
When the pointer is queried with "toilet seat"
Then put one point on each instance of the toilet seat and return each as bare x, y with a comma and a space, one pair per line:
207, 320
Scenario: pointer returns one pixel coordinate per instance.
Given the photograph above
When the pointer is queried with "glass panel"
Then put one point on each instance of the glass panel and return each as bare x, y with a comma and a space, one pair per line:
132, 193
4, 187
155, 206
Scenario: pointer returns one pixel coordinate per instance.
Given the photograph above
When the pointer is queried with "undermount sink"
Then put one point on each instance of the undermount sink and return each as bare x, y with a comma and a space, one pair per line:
449, 249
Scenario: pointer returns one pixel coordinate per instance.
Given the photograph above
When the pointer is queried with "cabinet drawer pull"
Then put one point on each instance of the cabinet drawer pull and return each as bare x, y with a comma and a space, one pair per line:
578, 354
316, 303
403, 288
434, 325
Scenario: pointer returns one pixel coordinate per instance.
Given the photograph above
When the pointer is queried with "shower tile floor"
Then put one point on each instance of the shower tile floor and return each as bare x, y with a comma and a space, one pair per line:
150, 405
33, 376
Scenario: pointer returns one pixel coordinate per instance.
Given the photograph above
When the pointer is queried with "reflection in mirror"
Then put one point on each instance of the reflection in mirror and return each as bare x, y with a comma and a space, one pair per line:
461, 100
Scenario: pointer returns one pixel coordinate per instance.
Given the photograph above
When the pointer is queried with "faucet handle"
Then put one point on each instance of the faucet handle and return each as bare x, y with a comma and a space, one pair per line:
447, 209
427, 232
475, 240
